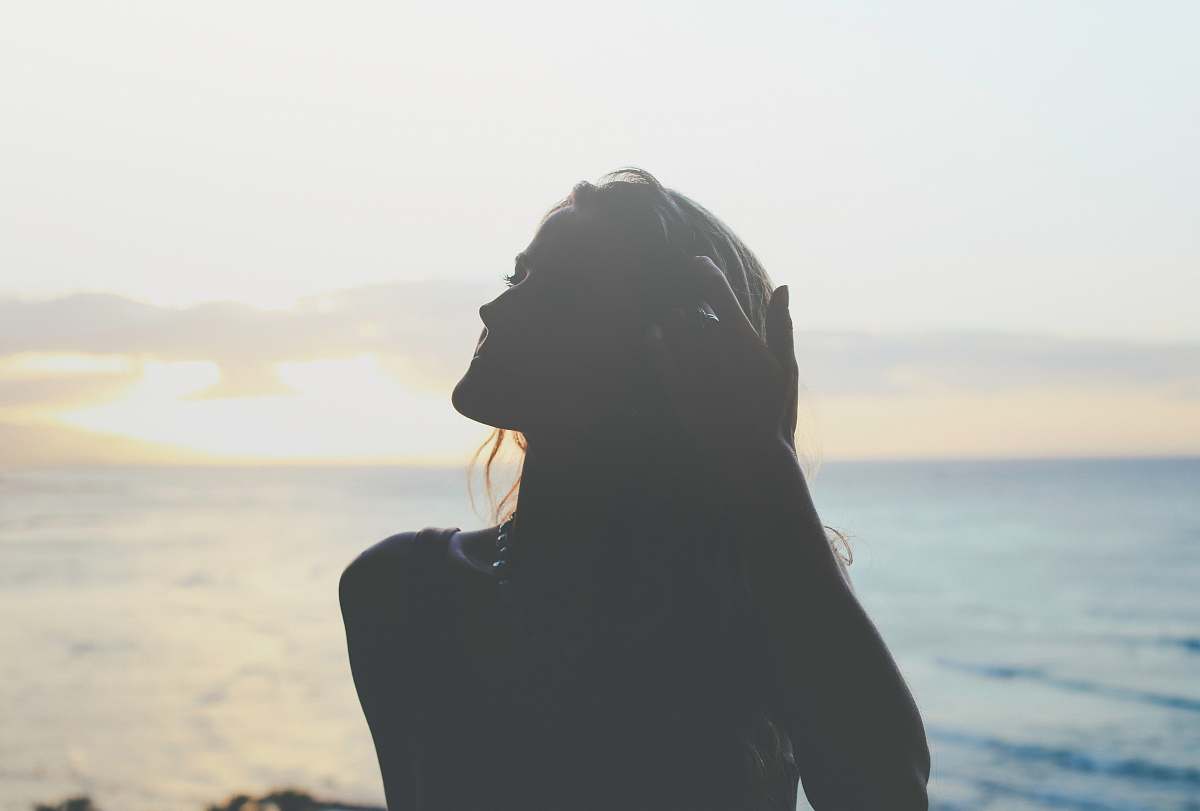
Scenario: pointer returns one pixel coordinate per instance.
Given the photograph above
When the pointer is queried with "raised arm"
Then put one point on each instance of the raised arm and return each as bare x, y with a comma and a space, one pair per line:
379, 641
858, 736
857, 732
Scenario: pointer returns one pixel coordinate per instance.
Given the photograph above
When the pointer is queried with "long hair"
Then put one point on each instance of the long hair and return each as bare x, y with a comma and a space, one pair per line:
680, 227
688, 229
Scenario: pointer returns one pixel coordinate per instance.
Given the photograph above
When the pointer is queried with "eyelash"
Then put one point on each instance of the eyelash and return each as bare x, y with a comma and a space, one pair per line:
510, 279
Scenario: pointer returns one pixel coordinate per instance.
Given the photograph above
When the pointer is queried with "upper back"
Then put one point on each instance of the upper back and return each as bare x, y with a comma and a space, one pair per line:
396, 602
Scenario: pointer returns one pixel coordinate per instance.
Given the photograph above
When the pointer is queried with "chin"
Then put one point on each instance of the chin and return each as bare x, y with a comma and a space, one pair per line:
481, 400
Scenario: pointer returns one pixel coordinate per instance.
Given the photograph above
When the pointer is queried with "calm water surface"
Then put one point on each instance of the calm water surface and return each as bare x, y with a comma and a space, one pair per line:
172, 635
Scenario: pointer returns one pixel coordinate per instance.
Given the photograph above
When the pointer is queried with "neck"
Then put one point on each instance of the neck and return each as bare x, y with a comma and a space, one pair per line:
578, 487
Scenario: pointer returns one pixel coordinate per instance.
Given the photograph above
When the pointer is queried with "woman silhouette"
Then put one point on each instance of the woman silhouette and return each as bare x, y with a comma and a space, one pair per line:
662, 624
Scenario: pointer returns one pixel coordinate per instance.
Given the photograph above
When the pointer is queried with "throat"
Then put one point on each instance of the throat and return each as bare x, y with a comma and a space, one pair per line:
573, 501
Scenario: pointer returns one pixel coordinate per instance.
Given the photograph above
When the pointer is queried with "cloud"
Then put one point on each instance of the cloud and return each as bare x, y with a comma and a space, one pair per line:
981, 361
424, 332
423, 327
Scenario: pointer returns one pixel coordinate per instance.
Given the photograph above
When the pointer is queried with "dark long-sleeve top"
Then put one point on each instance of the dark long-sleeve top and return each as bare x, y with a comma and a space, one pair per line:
583, 712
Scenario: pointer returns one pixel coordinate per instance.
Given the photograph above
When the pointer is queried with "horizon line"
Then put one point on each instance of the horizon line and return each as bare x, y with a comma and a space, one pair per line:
250, 464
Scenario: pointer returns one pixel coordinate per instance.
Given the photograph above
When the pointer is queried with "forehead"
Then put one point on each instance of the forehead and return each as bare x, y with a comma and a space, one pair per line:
566, 233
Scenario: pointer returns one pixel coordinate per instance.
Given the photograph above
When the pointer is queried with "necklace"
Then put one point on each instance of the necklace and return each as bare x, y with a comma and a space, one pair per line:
503, 565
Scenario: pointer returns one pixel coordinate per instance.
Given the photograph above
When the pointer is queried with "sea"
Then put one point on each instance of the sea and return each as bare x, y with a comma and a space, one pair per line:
171, 635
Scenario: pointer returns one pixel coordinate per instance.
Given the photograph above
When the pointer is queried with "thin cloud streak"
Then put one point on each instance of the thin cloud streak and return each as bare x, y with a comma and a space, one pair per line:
424, 335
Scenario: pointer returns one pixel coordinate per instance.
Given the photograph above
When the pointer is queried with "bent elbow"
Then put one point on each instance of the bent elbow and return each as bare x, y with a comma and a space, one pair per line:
905, 780
902, 788
907, 787
913, 790
896, 779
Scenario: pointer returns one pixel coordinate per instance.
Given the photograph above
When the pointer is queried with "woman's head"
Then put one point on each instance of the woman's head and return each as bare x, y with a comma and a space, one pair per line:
562, 345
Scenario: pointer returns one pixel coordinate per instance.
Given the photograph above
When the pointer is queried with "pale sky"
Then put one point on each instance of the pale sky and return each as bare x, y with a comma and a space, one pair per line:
986, 215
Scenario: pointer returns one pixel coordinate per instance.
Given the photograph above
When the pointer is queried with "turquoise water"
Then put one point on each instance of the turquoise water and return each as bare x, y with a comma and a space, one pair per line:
172, 635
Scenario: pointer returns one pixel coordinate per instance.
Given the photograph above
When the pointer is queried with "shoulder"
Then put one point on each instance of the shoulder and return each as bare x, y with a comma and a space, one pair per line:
386, 568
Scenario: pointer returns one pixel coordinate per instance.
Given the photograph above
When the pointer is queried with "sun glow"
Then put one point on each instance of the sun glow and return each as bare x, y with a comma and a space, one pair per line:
349, 409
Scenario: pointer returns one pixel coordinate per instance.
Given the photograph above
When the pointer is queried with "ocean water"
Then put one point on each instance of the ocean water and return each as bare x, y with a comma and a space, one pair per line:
171, 636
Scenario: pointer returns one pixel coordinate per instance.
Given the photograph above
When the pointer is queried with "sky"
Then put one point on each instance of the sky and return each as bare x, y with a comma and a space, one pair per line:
262, 232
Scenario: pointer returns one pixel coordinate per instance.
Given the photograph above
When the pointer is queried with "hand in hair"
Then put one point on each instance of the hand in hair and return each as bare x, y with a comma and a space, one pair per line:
732, 391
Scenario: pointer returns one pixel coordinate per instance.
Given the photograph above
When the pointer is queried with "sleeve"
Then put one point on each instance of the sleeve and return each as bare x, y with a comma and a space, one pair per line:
384, 639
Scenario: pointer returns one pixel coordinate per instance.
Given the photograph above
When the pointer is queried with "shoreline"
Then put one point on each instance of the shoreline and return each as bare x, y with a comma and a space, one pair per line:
282, 799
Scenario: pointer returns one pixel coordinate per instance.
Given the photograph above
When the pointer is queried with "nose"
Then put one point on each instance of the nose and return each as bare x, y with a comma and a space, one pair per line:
485, 311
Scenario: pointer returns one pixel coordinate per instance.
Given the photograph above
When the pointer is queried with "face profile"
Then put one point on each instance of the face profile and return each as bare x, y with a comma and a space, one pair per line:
555, 349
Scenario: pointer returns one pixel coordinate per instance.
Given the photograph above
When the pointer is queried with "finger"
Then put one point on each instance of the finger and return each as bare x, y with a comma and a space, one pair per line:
792, 367
780, 338
790, 345
782, 342
711, 285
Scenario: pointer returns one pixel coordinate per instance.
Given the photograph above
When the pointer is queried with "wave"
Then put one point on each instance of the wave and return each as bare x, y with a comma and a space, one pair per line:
1191, 644
1071, 759
1049, 798
1042, 676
